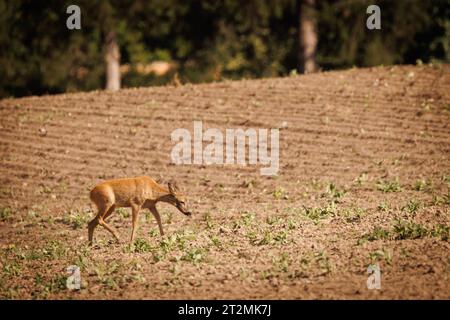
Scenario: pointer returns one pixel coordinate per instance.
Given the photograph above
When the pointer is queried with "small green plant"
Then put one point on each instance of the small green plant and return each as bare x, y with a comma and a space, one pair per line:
44, 190
353, 214
123, 212
317, 214
207, 218
54, 250
280, 193
291, 224
422, 185
77, 219
216, 242
273, 220
333, 192
247, 218
34, 254
5, 214
282, 262
383, 254
56, 284
12, 269
361, 179
194, 255
389, 186
383, 206
268, 238
140, 246
168, 244
376, 234
441, 231
280, 237
412, 206
441, 200
108, 274
324, 262
409, 230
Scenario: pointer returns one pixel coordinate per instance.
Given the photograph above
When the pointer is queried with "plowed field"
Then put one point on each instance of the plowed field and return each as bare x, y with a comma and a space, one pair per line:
364, 179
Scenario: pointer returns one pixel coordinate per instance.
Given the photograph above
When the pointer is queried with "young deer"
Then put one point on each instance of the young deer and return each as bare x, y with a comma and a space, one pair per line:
137, 193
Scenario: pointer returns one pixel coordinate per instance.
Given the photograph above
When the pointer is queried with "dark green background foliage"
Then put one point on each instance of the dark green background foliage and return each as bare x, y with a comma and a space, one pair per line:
208, 40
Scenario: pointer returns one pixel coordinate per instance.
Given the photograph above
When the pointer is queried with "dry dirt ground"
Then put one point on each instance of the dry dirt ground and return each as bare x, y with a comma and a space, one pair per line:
364, 178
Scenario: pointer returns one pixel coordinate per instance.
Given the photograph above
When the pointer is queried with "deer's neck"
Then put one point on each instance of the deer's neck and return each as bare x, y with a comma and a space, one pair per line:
164, 198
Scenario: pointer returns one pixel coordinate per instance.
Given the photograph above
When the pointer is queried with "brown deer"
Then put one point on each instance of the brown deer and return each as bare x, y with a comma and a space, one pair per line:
137, 193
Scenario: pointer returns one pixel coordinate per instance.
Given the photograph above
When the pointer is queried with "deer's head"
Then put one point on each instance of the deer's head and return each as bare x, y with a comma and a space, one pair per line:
178, 198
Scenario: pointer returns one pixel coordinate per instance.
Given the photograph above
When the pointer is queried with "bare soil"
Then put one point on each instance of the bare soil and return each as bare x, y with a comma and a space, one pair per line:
364, 178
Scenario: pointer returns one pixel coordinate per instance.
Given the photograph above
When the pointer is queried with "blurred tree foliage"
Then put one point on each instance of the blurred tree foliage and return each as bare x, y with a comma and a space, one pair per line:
208, 40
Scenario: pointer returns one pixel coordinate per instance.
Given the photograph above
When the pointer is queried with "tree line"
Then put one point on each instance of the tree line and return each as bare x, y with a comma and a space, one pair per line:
139, 43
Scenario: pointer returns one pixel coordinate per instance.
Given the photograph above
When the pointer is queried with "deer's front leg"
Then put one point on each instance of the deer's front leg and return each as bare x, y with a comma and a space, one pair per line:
135, 213
158, 218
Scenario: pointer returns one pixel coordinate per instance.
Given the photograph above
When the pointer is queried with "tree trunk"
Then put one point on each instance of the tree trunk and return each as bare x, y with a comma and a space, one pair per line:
307, 36
112, 59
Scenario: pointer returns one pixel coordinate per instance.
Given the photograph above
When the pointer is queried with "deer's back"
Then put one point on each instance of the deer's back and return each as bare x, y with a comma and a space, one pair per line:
122, 192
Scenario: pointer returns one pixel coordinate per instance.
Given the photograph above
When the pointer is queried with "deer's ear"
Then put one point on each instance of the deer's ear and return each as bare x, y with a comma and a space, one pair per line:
173, 188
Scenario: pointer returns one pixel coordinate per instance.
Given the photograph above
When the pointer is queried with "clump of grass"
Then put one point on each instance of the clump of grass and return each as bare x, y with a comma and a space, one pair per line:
82, 258
383, 206
268, 238
169, 244
291, 224
54, 250
324, 262
422, 185
409, 230
123, 212
153, 232
389, 186
141, 246
441, 231
247, 218
314, 259
195, 255
176, 241
441, 200
377, 234
383, 254
282, 262
273, 220
208, 220
280, 237
216, 242
44, 287
319, 213
280, 193
77, 219
12, 269
361, 179
333, 192
5, 214
353, 214
412, 206
108, 274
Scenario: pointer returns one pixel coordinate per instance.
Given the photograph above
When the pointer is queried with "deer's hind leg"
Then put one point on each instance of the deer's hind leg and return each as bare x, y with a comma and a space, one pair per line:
102, 222
109, 212
103, 213
94, 223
